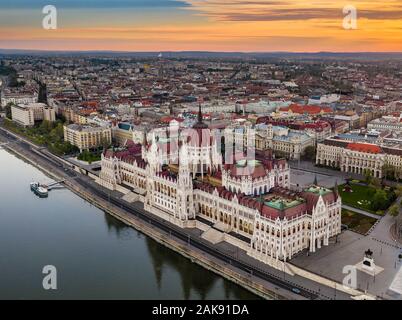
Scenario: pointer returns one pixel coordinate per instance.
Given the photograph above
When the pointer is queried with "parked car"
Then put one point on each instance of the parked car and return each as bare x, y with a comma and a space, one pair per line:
295, 290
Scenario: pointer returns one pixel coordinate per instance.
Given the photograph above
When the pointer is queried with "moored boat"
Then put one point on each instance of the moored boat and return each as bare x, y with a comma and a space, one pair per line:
39, 190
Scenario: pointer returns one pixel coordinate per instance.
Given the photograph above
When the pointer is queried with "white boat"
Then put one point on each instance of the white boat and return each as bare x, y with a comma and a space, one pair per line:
40, 190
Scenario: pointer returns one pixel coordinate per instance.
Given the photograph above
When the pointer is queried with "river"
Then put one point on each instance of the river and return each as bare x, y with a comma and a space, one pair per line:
95, 255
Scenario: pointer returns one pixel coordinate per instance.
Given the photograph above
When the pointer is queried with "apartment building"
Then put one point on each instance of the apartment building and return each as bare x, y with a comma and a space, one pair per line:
86, 137
27, 114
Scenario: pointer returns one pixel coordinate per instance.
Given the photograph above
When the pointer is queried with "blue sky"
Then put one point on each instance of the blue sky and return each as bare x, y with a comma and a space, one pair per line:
32, 4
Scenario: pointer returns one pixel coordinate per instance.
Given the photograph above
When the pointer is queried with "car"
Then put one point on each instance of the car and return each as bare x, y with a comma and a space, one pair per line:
295, 290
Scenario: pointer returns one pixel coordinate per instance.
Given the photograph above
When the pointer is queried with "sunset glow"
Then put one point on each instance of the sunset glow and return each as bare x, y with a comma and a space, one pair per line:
211, 25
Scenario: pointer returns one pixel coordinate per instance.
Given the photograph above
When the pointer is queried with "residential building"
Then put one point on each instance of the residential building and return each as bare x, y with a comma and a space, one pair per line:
386, 123
27, 114
87, 137
22, 115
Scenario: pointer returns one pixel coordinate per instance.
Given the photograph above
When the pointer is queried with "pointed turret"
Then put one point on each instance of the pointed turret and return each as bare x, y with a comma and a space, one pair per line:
200, 124
144, 137
199, 114
185, 187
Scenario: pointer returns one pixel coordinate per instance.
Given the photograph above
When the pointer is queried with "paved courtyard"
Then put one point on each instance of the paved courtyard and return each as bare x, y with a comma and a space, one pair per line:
349, 250
300, 179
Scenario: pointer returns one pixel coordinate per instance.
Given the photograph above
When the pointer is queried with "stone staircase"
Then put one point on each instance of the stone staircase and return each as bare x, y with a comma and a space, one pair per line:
130, 197
212, 235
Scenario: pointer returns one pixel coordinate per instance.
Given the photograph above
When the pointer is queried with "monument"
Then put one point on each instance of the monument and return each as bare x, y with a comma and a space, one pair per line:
368, 261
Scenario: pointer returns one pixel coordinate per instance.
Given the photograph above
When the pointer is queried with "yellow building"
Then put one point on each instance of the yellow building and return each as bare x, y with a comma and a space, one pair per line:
87, 137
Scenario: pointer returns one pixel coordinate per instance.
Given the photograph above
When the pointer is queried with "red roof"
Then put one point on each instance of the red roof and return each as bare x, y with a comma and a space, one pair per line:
297, 108
168, 119
92, 104
364, 147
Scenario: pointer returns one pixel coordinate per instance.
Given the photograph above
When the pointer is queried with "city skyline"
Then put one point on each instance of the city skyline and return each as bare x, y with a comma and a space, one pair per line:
196, 25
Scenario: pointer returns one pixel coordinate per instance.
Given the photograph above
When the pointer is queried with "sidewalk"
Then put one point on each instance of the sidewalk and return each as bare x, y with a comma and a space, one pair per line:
368, 214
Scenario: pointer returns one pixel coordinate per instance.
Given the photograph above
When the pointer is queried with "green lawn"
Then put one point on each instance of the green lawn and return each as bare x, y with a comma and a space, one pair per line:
90, 156
368, 198
360, 197
356, 221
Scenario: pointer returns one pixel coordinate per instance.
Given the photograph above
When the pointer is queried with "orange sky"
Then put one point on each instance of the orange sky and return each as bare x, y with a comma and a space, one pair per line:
214, 25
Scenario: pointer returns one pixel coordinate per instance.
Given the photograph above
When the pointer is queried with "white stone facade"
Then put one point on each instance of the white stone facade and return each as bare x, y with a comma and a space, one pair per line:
357, 157
27, 114
283, 224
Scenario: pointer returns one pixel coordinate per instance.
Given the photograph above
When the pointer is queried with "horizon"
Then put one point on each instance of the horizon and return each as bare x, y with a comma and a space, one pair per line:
198, 51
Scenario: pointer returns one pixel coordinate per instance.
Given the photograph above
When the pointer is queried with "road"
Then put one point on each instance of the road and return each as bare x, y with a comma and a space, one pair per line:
308, 288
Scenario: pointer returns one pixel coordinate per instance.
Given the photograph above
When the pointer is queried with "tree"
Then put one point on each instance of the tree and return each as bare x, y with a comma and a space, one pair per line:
105, 144
45, 127
398, 191
57, 133
398, 174
309, 153
376, 183
7, 109
394, 210
368, 175
389, 171
379, 199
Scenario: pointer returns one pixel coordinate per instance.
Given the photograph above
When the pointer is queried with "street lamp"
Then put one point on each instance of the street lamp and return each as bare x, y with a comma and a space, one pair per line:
335, 291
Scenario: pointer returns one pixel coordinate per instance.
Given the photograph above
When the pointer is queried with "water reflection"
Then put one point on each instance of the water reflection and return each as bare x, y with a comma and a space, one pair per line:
97, 256
193, 278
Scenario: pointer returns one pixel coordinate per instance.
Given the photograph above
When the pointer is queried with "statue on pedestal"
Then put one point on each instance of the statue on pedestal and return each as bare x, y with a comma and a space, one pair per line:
368, 261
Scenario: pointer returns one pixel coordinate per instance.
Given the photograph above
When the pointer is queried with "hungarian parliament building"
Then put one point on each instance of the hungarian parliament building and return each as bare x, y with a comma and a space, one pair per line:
241, 199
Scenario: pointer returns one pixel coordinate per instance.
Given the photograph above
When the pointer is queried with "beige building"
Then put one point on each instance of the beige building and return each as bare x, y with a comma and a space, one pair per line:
386, 123
357, 157
18, 98
123, 132
27, 114
74, 116
49, 114
22, 115
87, 137
282, 140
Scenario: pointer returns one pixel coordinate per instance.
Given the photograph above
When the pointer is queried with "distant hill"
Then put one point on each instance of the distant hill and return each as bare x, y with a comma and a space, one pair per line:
215, 55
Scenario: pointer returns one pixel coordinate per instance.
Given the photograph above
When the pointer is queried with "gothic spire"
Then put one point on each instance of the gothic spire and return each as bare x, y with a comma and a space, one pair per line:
200, 124
199, 114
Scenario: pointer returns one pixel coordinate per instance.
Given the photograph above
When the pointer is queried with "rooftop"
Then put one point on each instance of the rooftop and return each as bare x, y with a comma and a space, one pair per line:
364, 147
